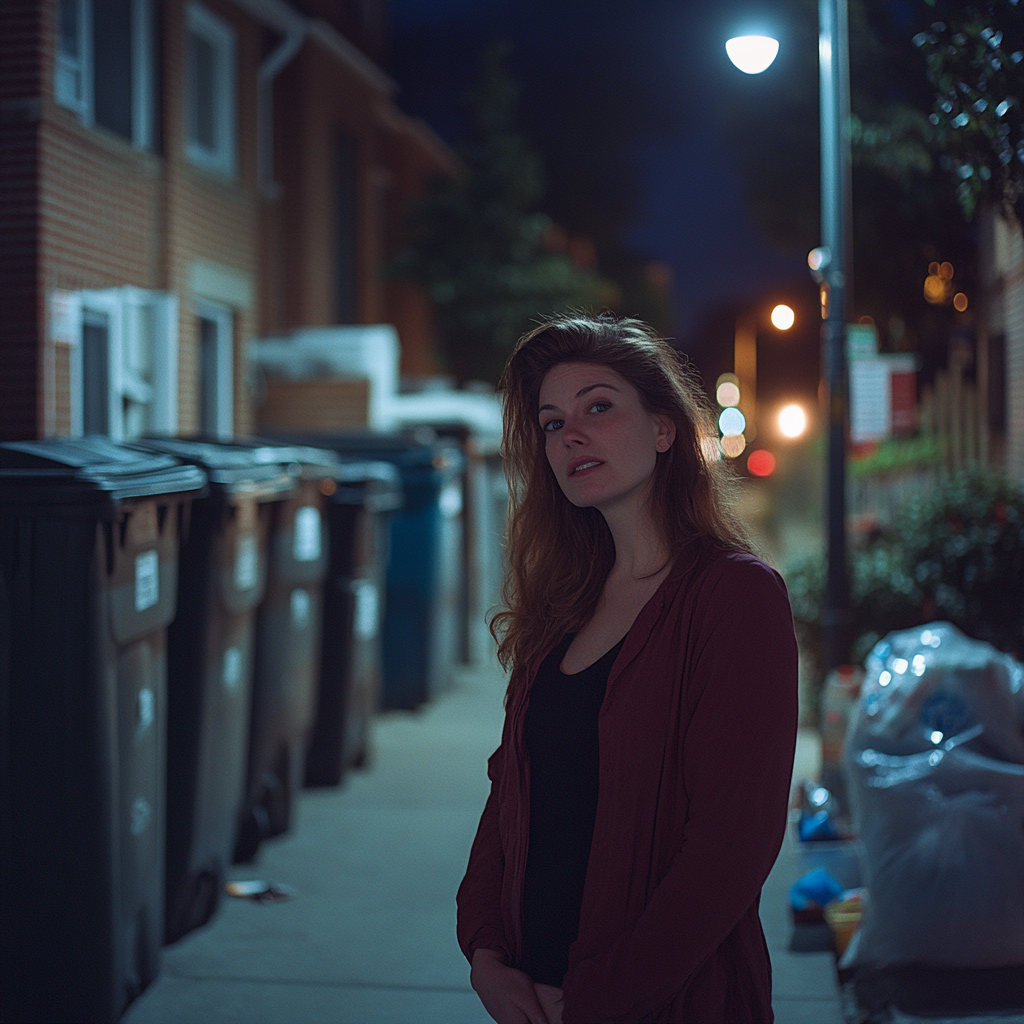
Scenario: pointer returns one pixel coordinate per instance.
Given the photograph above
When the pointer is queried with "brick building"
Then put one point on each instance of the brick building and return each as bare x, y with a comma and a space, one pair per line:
178, 178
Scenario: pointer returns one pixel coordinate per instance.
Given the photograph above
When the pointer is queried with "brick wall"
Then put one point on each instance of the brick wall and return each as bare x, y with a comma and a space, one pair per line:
82, 209
20, 302
210, 217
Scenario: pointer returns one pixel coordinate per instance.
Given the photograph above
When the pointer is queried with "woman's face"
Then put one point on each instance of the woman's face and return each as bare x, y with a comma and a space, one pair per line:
600, 442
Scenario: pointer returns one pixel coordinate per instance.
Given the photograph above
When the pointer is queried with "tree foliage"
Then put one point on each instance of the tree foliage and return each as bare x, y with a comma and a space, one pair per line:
974, 54
480, 245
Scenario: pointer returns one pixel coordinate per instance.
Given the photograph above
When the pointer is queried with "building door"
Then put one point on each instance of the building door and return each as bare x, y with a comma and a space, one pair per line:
216, 370
95, 372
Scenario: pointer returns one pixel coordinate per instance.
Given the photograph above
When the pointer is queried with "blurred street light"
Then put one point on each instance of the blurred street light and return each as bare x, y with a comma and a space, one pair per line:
830, 264
783, 317
732, 421
727, 392
792, 421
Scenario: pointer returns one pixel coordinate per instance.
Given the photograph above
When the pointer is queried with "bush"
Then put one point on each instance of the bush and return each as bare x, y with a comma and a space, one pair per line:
964, 546
956, 553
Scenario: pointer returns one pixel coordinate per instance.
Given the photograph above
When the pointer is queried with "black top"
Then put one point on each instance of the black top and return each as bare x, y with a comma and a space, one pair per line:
561, 740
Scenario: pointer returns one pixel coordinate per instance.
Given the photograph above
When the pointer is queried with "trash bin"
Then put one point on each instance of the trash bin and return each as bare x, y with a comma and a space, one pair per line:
89, 547
420, 632
288, 639
222, 579
350, 661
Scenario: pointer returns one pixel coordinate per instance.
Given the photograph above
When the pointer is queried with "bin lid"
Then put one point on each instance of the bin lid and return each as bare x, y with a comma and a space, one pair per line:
403, 449
310, 463
375, 485
88, 476
231, 468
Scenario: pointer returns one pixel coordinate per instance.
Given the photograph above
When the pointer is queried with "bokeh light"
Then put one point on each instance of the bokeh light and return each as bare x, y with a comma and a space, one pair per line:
728, 394
761, 462
960, 302
732, 421
792, 421
752, 54
733, 445
936, 289
783, 317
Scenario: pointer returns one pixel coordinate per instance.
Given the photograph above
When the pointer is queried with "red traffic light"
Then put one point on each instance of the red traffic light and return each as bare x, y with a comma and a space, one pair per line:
761, 462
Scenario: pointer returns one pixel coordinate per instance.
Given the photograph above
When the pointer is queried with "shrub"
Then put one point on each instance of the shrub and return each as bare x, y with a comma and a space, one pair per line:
956, 553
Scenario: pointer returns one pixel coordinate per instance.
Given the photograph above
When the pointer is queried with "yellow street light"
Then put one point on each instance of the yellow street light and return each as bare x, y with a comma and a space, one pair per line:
783, 317
792, 421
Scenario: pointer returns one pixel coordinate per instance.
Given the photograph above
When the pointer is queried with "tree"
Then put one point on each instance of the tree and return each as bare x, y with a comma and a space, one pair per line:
480, 244
974, 53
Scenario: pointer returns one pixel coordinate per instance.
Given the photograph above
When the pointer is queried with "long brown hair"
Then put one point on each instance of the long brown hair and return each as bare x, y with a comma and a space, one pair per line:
560, 555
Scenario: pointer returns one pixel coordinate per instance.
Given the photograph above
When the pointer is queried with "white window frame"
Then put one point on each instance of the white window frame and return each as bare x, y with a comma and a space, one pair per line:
68, 71
122, 307
221, 158
142, 72
143, 75
224, 385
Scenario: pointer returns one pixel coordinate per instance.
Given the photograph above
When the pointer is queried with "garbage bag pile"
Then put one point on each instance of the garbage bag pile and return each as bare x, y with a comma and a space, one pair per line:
935, 769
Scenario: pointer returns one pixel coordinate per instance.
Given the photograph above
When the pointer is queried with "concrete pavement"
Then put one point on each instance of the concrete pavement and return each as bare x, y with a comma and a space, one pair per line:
370, 935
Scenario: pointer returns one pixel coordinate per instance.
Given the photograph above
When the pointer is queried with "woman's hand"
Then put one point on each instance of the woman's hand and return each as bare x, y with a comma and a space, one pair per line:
508, 995
551, 1002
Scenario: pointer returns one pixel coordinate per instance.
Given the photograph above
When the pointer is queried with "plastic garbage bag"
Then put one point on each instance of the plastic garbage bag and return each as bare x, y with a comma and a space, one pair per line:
935, 767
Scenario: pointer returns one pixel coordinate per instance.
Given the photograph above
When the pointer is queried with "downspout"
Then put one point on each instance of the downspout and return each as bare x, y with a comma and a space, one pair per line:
274, 63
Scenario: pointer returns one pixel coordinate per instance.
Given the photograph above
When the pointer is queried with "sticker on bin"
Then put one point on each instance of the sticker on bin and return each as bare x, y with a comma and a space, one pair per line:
300, 603
147, 580
141, 814
306, 536
450, 499
367, 612
232, 674
246, 562
145, 710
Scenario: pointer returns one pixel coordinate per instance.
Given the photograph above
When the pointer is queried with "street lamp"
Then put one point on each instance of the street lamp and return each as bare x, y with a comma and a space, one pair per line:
831, 266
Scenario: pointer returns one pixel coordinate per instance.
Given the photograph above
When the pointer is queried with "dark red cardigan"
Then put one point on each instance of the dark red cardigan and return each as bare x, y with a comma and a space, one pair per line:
697, 733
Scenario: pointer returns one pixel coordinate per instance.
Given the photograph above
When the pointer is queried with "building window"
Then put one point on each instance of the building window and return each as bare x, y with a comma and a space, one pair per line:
122, 359
216, 328
210, 91
73, 63
104, 67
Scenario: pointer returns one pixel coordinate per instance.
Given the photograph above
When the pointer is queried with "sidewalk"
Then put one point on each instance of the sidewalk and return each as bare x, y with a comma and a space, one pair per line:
370, 936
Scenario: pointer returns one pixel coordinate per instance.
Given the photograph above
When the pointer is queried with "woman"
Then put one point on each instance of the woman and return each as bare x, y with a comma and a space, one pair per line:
638, 798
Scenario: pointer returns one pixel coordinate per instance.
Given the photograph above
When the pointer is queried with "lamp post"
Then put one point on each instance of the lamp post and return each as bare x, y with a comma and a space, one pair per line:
831, 266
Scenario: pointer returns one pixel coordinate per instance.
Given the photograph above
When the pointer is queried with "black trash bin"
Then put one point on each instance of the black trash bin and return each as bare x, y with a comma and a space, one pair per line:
288, 639
421, 626
89, 535
350, 660
222, 579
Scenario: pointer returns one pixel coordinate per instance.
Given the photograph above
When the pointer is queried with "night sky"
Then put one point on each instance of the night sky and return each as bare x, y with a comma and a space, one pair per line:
628, 101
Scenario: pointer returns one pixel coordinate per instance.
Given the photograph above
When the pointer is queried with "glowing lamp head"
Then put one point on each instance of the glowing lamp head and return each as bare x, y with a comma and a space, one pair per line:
752, 54
792, 421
